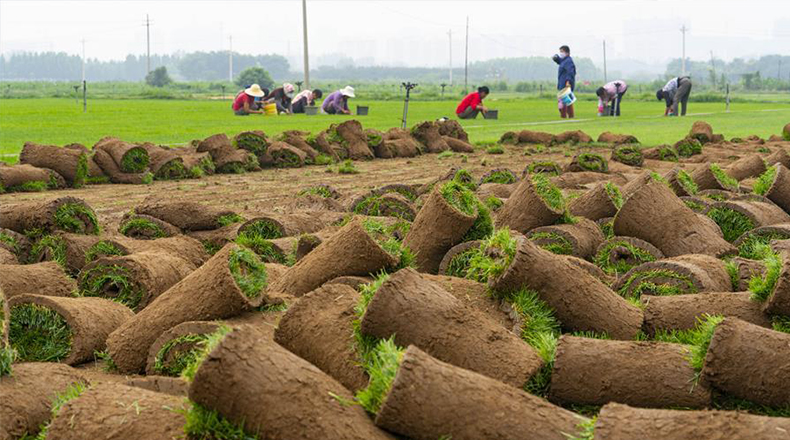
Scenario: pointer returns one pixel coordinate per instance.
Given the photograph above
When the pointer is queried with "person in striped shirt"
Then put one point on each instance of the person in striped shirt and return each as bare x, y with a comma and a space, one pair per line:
611, 92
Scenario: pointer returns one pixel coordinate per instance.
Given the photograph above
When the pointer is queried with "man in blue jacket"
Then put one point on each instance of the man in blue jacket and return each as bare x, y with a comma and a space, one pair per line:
566, 77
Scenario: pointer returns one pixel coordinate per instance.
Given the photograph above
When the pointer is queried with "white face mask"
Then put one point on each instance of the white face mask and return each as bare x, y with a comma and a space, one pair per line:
563, 54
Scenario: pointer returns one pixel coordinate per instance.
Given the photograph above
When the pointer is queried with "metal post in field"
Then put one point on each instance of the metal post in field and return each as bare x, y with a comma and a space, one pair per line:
604, 61
683, 60
306, 58
148, 42
230, 58
728, 98
450, 33
84, 83
466, 59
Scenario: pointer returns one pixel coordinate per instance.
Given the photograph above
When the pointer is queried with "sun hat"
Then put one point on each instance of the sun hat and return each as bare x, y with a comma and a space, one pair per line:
347, 91
255, 90
288, 88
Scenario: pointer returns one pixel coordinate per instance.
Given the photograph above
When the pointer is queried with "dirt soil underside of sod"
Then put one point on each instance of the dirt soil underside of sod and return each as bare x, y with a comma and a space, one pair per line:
270, 189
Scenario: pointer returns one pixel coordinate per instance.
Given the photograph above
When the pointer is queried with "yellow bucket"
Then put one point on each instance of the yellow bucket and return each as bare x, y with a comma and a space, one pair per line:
270, 109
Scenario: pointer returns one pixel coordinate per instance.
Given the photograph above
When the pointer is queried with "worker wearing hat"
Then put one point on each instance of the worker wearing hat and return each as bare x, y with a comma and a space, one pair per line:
244, 102
281, 97
337, 102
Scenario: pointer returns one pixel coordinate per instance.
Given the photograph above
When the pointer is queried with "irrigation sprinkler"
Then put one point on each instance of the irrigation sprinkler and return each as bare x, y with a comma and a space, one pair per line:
443, 86
299, 85
222, 86
408, 86
77, 94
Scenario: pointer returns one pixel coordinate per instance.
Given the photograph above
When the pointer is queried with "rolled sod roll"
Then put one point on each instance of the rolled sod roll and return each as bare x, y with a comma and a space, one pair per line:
628, 155
580, 239
389, 204
475, 295
458, 145
581, 302
232, 281
146, 227
72, 164
231, 160
681, 182
128, 157
473, 406
691, 273
449, 329
778, 156
254, 141
635, 184
185, 247
591, 268
778, 301
602, 201
745, 167
274, 225
62, 329
133, 280
499, 175
590, 371
164, 163
250, 379
738, 217
746, 270
186, 215
68, 214
532, 204
6, 257
499, 190
775, 184
618, 255
27, 178
588, 162
621, 422
440, 224
356, 142
452, 128
428, 134
297, 140
216, 238
655, 214
318, 328
661, 152
28, 394
456, 261
46, 278
712, 176
64, 248
350, 251
177, 347
110, 168
15, 243
749, 362
122, 411
286, 155
683, 312
174, 386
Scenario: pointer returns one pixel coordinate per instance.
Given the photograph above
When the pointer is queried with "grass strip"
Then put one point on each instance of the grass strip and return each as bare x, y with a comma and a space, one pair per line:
724, 179
382, 366
495, 255
500, 176
39, 334
102, 248
614, 194
459, 197
135, 160
263, 228
733, 224
180, 359
762, 286
72, 392
687, 182
765, 181
385, 237
229, 219
207, 424
248, 272
206, 346
646, 284
557, 243
621, 266
548, 192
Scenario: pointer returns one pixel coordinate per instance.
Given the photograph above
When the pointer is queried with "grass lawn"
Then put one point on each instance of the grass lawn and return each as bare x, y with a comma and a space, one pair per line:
173, 122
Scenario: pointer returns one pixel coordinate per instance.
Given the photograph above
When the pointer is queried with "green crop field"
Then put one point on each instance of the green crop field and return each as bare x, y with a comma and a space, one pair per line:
174, 122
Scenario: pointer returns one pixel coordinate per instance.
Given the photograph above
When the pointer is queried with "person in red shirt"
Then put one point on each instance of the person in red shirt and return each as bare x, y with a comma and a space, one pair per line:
472, 104
244, 102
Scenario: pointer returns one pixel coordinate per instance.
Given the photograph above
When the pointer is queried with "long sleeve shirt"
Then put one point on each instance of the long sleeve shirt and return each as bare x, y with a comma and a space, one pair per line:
671, 88
335, 103
301, 100
566, 73
612, 89
471, 100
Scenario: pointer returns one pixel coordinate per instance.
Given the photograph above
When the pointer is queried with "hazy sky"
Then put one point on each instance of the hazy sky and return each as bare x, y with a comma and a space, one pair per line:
402, 32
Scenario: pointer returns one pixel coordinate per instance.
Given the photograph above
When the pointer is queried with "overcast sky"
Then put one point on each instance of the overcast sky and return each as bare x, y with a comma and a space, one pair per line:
411, 33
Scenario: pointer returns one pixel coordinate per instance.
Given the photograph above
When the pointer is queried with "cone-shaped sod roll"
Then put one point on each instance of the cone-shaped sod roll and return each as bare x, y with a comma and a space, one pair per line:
170, 354
120, 411
112, 171
146, 227
276, 394
602, 201
62, 329
590, 371
655, 214
749, 362
27, 178
456, 261
775, 184
476, 295
185, 247
232, 281
72, 164
681, 182
449, 330
16, 243
352, 250
580, 239
46, 278
618, 255
275, 225
621, 422
129, 158
745, 167
28, 394
778, 156
683, 312
535, 202
133, 280
778, 301
738, 217
661, 152
448, 213
588, 162
473, 406
318, 328
628, 155
186, 215
691, 273
712, 176
428, 134
37, 218
634, 185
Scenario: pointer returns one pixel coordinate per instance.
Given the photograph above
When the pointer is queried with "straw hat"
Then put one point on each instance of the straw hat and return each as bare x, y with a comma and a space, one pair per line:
255, 90
347, 91
288, 88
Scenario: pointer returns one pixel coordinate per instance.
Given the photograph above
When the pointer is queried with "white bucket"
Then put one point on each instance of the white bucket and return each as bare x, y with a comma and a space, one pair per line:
566, 96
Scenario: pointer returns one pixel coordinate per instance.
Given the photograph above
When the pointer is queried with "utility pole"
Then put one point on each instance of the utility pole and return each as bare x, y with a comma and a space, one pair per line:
713, 68
466, 58
451, 56
779, 72
604, 61
148, 41
84, 84
683, 60
230, 58
306, 58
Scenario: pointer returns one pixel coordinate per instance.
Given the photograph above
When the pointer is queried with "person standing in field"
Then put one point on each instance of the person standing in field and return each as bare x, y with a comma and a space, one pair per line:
472, 104
611, 92
244, 102
677, 90
281, 97
337, 101
566, 77
305, 98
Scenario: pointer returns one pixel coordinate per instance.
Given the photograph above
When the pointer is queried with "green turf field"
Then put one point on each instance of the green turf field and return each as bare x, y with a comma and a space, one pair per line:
172, 122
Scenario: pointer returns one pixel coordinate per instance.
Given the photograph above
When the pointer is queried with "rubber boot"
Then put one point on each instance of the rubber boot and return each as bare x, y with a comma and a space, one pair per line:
570, 111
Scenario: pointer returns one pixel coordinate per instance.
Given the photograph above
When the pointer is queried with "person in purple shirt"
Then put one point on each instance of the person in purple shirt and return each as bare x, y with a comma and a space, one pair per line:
337, 102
